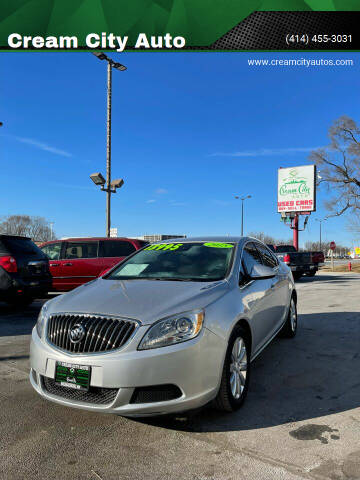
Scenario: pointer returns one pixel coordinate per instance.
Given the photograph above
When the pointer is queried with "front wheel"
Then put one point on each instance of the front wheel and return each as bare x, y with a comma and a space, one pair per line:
236, 373
290, 326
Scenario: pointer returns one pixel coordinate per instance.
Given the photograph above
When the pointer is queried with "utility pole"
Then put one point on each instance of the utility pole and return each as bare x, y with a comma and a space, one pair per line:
295, 228
108, 150
242, 211
110, 186
320, 220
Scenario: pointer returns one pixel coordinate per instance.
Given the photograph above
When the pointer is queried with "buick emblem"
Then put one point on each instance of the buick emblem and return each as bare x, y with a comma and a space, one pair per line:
77, 333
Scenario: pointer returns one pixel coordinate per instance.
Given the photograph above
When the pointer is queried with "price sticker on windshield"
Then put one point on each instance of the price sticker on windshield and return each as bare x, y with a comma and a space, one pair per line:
164, 246
218, 245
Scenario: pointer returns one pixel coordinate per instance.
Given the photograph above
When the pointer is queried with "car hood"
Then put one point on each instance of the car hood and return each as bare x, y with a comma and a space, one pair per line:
143, 300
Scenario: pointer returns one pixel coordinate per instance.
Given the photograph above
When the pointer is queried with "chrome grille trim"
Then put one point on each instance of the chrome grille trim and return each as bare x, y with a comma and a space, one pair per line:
104, 333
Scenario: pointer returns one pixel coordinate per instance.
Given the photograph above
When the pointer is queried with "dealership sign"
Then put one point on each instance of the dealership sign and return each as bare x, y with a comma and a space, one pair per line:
297, 189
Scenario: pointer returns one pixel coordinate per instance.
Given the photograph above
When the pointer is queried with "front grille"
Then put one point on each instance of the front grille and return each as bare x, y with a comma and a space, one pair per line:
95, 395
98, 333
155, 393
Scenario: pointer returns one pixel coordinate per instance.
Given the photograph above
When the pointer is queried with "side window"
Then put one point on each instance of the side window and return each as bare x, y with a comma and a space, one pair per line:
250, 257
117, 248
81, 250
52, 251
268, 259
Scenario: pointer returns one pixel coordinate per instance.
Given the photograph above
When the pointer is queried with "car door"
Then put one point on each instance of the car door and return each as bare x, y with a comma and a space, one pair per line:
258, 298
53, 252
279, 285
112, 251
80, 263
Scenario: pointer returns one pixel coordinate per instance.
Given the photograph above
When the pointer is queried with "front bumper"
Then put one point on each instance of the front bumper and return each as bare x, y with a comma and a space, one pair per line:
194, 366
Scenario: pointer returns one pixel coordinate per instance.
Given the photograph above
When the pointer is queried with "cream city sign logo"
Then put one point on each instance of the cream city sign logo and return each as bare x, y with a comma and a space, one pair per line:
77, 333
297, 189
295, 185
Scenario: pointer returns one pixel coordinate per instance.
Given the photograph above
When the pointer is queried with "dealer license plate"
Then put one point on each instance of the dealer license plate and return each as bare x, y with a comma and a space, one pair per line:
73, 375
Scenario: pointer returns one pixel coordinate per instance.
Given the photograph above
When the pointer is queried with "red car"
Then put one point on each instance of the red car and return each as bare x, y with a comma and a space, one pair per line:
75, 261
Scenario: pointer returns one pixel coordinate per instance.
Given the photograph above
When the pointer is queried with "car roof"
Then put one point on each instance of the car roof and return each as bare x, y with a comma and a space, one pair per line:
9, 235
86, 239
221, 239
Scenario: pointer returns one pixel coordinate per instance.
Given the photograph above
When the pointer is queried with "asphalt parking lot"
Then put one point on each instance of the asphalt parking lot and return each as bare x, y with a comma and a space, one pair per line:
301, 418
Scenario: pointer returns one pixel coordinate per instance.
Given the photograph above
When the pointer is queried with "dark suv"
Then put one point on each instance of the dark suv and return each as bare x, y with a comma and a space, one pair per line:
24, 270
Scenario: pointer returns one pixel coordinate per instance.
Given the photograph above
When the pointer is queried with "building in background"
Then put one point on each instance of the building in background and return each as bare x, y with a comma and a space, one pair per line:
158, 237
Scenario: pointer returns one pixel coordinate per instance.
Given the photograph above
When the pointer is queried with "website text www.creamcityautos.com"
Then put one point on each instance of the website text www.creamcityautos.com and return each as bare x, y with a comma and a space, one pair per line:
301, 62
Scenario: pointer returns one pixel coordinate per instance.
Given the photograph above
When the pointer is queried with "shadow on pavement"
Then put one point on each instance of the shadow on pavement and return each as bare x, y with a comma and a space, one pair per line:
18, 321
17, 357
312, 375
341, 278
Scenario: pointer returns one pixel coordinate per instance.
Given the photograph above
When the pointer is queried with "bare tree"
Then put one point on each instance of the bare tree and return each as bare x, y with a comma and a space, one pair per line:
339, 167
268, 239
325, 247
353, 225
37, 228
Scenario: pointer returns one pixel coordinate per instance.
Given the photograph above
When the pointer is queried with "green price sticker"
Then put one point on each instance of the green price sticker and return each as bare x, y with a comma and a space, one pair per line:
218, 245
164, 246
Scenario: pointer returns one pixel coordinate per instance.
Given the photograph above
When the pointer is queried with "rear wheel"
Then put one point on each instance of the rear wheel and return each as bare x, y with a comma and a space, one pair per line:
290, 326
236, 372
297, 275
311, 274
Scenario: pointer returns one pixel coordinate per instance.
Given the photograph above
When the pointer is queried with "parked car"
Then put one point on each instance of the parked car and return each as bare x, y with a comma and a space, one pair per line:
24, 270
300, 263
76, 261
169, 329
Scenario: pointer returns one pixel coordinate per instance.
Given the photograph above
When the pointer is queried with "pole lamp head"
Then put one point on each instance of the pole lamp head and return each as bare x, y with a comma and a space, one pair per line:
100, 55
97, 178
117, 183
119, 66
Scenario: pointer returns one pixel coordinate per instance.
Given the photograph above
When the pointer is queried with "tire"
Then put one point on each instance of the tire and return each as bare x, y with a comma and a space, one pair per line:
297, 276
311, 274
227, 399
290, 326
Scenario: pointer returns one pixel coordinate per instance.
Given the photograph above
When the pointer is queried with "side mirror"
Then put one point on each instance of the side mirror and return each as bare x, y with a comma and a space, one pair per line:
259, 272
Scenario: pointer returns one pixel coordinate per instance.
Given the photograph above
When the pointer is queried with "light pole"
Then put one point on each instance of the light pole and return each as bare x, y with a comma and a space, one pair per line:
242, 210
320, 220
51, 230
110, 186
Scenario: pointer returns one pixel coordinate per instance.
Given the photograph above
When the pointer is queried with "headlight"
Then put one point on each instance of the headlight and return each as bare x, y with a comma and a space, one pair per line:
41, 320
174, 329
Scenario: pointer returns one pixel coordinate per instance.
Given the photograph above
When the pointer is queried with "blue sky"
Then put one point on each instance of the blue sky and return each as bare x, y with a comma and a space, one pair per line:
190, 130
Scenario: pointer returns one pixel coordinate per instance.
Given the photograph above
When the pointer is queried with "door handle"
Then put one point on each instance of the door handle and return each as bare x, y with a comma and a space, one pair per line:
68, 264
53, 264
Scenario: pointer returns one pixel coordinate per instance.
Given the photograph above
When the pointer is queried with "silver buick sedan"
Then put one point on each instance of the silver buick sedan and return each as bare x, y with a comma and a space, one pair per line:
173, 327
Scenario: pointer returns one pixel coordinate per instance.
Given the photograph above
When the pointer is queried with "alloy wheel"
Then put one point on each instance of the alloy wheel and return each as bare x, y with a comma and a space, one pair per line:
238, 367
293, 316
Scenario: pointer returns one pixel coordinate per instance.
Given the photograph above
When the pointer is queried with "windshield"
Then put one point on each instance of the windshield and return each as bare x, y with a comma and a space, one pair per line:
208, 261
